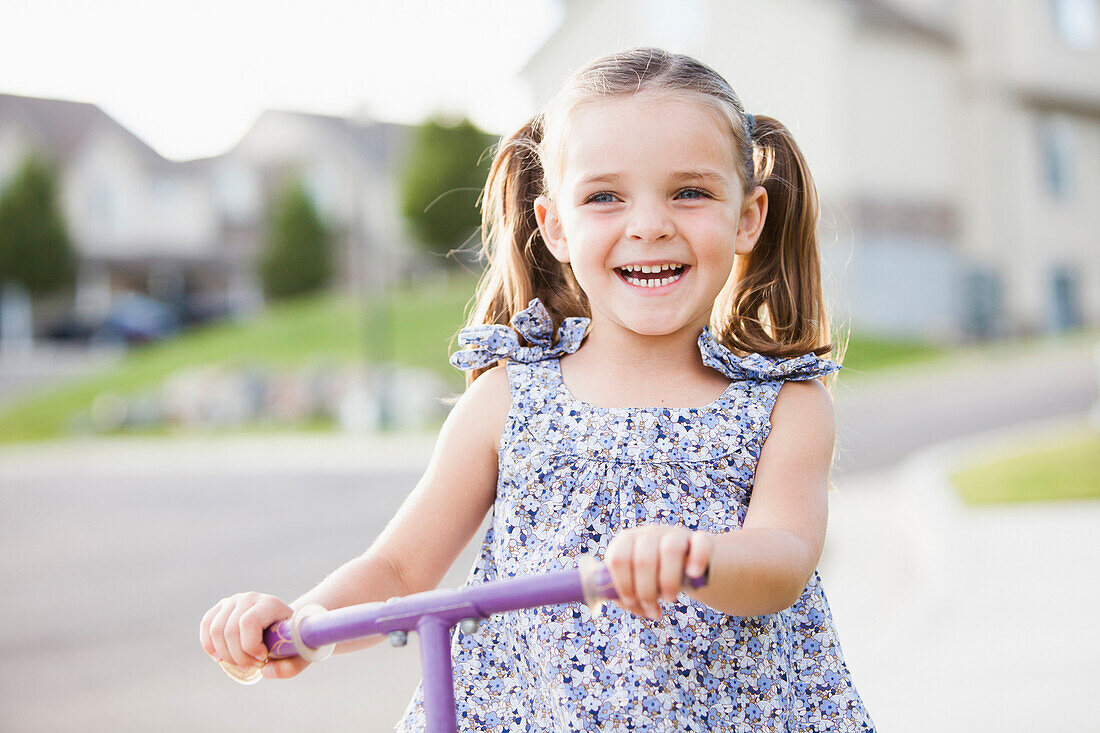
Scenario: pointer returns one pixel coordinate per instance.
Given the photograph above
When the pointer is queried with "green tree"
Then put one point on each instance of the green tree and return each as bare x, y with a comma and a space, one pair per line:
35, 249
298, 256
445, 174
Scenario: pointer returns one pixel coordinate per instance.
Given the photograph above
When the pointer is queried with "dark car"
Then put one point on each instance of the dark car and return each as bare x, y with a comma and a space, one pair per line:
137, 319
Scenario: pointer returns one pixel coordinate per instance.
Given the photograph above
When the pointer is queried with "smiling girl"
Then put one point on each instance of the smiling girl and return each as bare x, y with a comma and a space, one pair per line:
646, 388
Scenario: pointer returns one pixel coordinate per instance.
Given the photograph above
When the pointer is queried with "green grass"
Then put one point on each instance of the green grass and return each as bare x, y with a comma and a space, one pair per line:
869, 354
866, 354
413, 329
1064, 468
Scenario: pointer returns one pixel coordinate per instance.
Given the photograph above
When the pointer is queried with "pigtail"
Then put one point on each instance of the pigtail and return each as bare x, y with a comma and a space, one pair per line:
774, 302
519, 265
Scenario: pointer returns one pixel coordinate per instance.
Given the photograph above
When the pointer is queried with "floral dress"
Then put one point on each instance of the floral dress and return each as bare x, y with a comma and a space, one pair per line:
572, 476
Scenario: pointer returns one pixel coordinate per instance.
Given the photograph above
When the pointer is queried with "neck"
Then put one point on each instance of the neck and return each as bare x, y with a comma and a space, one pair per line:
619, 368
624, 353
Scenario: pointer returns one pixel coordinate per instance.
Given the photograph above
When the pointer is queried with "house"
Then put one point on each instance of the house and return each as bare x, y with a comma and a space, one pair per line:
189, 233
351, 169
955, 145
138, 222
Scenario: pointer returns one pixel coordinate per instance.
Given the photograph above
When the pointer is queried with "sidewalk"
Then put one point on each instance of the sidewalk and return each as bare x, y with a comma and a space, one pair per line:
958, 618
233, 454
46, 364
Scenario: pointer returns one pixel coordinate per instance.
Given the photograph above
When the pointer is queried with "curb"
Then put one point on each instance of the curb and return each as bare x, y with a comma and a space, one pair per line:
937, 537
235, 455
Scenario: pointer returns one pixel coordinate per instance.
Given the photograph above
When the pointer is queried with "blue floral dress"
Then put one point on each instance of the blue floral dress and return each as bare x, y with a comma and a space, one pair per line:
572, 476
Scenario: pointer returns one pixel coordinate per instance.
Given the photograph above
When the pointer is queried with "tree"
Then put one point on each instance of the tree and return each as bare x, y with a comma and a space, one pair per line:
445, 174
298, 256
35, 249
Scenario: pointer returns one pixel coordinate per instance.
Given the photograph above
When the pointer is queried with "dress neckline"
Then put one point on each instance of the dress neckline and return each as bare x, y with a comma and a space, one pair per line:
568, 394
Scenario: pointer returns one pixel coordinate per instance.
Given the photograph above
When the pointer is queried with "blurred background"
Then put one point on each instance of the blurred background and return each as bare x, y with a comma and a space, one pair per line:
235, 246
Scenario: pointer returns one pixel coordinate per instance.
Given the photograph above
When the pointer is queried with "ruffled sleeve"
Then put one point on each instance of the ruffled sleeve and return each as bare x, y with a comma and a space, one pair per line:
762, 368
488, 344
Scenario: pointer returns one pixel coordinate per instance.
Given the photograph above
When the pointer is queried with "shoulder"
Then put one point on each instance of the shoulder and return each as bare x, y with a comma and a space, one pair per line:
483, 407
490, 388
804, 415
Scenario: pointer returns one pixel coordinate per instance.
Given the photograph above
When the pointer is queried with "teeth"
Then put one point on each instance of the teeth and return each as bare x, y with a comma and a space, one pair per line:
652, 268
647, 283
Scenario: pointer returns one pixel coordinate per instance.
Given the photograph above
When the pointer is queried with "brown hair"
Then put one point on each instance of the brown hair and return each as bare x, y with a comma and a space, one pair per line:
773, 303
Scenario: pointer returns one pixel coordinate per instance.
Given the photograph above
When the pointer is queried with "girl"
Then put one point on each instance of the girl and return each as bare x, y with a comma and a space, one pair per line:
660, 406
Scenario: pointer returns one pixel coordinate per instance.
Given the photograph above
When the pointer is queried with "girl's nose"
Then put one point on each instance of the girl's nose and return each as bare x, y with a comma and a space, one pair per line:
649, 223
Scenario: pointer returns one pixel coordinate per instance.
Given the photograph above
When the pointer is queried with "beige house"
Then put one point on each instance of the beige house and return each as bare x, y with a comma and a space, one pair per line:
138, 222
351, 169
190, 232
955, 144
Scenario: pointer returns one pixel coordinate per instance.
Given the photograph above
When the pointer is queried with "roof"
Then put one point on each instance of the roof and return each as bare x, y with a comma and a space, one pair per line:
381, 144
881, 14
62, 125
890, 16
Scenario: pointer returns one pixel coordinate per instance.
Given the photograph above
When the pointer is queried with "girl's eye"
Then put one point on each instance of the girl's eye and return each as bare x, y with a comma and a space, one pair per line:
600, 198
694, 193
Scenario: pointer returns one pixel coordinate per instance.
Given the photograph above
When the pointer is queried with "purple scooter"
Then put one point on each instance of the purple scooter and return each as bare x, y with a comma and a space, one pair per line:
313, 632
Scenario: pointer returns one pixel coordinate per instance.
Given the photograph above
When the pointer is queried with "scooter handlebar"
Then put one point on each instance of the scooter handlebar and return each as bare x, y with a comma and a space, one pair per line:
313, 632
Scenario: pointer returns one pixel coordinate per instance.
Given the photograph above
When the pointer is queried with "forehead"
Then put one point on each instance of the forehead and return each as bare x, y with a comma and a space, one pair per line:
646, 134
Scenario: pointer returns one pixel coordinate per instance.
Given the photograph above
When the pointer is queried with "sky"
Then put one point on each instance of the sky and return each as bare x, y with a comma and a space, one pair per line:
189, 78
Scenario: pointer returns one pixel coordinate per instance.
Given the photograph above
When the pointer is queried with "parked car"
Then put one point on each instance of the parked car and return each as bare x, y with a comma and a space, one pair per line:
138, 319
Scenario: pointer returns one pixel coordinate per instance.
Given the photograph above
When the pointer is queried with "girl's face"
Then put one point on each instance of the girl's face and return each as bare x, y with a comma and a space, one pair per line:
649, 212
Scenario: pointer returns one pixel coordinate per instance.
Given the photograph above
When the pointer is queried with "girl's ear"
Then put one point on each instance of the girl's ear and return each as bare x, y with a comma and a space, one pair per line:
546, 213
754, 211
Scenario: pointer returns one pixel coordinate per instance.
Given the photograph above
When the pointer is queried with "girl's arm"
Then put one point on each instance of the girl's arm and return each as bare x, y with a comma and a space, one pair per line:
413, 552
440, 515
763, 567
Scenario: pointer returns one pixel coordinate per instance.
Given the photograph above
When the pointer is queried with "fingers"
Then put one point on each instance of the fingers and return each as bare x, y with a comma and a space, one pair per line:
204, 632
217, 630
233, 629
284, 668
619, 560
673, 550
254, 620
232, 633
699, 554
648, 564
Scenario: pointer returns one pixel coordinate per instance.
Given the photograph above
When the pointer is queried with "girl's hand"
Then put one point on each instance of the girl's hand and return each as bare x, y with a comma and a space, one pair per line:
233, 631
649, 562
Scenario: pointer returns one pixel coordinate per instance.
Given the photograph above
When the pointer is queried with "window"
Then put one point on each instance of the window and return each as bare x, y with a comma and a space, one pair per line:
101, 206
1065, 297
1057, 147
1078, 22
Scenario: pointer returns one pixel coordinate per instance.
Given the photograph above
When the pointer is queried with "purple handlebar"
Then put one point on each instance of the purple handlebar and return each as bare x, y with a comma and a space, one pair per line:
405, 614
432, 614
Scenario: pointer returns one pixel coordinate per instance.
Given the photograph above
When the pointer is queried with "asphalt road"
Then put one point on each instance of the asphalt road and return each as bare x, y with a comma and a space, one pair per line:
107, 573
881, 420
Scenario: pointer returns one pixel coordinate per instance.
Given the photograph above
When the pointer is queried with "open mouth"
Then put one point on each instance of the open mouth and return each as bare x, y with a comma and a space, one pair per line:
652, 276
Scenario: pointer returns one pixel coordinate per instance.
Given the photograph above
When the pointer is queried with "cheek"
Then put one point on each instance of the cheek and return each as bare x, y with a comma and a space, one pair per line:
590, 240
716, 240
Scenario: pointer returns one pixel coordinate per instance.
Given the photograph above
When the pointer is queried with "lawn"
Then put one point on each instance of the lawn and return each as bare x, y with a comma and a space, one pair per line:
1066, 467
414, 328
868, 354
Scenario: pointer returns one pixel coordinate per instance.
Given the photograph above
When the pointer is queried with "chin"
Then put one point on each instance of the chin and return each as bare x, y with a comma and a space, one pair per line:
654, 328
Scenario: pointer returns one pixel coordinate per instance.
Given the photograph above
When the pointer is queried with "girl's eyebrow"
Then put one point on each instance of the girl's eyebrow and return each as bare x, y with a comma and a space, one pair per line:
599, 178
702, 174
